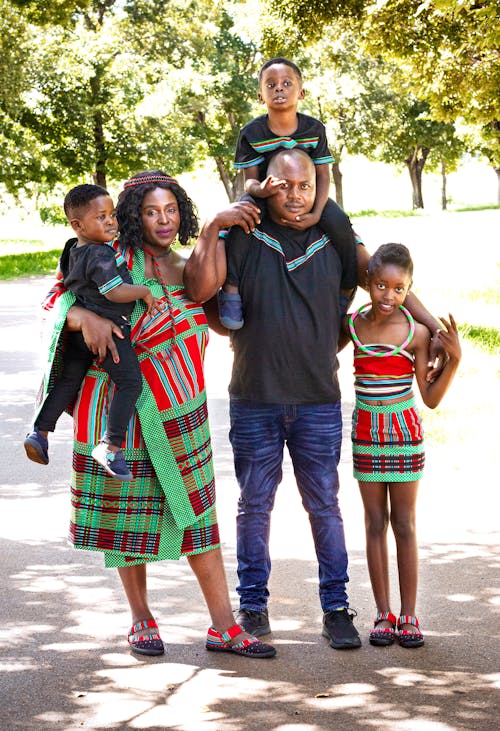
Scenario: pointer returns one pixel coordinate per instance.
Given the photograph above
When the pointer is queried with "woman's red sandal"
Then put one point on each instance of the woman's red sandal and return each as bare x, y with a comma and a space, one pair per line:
406, 637
252, 647
383, 636
144, 638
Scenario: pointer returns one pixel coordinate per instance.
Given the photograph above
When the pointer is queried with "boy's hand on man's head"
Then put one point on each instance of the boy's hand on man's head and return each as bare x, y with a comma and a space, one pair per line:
270, 186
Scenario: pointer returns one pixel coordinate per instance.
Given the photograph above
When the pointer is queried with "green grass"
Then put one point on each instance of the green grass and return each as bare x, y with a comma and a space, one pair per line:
487, 338
370, 213
29, 264
486, 207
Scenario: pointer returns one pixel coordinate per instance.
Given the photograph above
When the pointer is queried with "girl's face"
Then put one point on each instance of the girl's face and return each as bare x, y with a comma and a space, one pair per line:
388, 287
160, 218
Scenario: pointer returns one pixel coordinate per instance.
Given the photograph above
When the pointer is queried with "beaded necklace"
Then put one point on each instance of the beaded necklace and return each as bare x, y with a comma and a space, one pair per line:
159, 277
370, 348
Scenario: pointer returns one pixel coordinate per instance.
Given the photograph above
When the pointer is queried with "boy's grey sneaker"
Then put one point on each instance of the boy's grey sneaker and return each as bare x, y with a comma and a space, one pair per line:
37, 447
113, 462
339, 629
254, 622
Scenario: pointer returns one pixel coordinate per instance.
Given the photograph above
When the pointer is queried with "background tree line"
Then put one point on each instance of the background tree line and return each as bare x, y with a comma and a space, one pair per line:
101, 88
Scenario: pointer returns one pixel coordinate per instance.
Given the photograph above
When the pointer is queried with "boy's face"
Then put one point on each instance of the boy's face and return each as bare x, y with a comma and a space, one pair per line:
96, 222
280, 87
296, 195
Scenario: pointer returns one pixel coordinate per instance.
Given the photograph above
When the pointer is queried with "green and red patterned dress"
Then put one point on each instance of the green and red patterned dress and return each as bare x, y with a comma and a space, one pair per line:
168, 510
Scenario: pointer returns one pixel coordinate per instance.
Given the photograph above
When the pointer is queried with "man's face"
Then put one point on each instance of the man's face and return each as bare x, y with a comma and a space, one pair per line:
296, 195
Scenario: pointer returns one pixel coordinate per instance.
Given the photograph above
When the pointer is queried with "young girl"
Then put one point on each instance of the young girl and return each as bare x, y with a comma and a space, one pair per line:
388, 453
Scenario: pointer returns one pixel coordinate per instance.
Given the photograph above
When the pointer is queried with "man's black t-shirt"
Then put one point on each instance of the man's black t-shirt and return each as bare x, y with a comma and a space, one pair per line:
289, 282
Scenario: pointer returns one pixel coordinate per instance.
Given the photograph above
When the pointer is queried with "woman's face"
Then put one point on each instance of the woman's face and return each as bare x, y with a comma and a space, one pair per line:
160, 218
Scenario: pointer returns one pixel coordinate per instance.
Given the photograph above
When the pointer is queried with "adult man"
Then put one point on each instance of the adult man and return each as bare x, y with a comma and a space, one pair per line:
284, 385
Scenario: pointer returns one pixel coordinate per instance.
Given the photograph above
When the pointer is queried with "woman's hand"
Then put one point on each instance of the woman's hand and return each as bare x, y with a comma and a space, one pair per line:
97, 332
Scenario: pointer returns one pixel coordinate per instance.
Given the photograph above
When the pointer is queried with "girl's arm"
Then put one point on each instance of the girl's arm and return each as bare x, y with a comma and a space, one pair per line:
205, 270
432, 393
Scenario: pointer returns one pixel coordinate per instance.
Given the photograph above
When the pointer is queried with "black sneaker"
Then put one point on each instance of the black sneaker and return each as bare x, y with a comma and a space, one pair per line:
339, 629
254, 622
113, 462
37, 447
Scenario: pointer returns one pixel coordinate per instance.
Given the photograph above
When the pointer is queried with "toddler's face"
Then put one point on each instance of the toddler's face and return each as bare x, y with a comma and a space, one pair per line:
96, 223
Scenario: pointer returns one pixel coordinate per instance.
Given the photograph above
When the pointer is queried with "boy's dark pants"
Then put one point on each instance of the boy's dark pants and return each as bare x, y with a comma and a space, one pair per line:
77, 359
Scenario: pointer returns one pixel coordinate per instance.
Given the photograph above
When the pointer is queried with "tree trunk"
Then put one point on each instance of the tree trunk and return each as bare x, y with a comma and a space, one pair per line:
101, 155
415, 163
497, 170
337, 181
444, 202
233, 185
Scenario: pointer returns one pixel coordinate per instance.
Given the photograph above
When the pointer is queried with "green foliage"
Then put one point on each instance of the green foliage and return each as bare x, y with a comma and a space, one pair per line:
52, 214
487, 338
29, 264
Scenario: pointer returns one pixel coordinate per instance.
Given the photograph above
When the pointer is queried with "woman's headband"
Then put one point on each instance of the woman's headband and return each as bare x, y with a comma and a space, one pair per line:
148, 179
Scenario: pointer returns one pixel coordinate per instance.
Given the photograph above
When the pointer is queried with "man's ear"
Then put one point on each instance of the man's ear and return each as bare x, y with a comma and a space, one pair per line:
302, 93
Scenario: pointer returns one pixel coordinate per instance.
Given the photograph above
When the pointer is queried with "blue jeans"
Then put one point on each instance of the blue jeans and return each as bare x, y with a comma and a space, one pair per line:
313, 434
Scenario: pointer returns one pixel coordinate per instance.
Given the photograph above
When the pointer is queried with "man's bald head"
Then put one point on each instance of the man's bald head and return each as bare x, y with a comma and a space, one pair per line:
287, 158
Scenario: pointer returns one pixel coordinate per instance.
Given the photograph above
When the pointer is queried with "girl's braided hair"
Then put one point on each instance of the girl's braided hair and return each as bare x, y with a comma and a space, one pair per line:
129, 207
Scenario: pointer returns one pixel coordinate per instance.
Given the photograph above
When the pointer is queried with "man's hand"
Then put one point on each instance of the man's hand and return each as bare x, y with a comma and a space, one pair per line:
437, 358
242, 213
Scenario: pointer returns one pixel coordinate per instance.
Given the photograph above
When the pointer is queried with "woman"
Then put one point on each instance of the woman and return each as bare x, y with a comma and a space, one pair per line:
168, 510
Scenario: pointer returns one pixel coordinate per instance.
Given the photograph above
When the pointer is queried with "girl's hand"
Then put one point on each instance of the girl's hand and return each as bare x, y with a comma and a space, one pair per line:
449, 339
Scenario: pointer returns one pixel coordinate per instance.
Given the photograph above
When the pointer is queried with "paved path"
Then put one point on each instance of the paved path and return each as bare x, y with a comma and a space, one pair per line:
64, 663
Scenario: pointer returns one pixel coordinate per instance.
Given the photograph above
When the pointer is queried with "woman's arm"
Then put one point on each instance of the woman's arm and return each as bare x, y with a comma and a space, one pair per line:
205, 270
97, 331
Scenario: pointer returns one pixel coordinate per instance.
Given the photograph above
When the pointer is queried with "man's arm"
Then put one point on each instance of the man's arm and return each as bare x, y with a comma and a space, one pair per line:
205, 270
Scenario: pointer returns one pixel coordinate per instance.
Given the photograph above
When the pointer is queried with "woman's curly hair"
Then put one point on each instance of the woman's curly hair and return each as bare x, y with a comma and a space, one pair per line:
129, 209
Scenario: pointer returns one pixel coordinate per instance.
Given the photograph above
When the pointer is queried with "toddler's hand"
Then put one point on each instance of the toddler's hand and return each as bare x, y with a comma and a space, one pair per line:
153, 304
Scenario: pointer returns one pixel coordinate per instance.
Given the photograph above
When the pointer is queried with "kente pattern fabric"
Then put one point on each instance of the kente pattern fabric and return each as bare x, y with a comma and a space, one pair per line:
168, 510
387, 442
257, 143
381, 371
